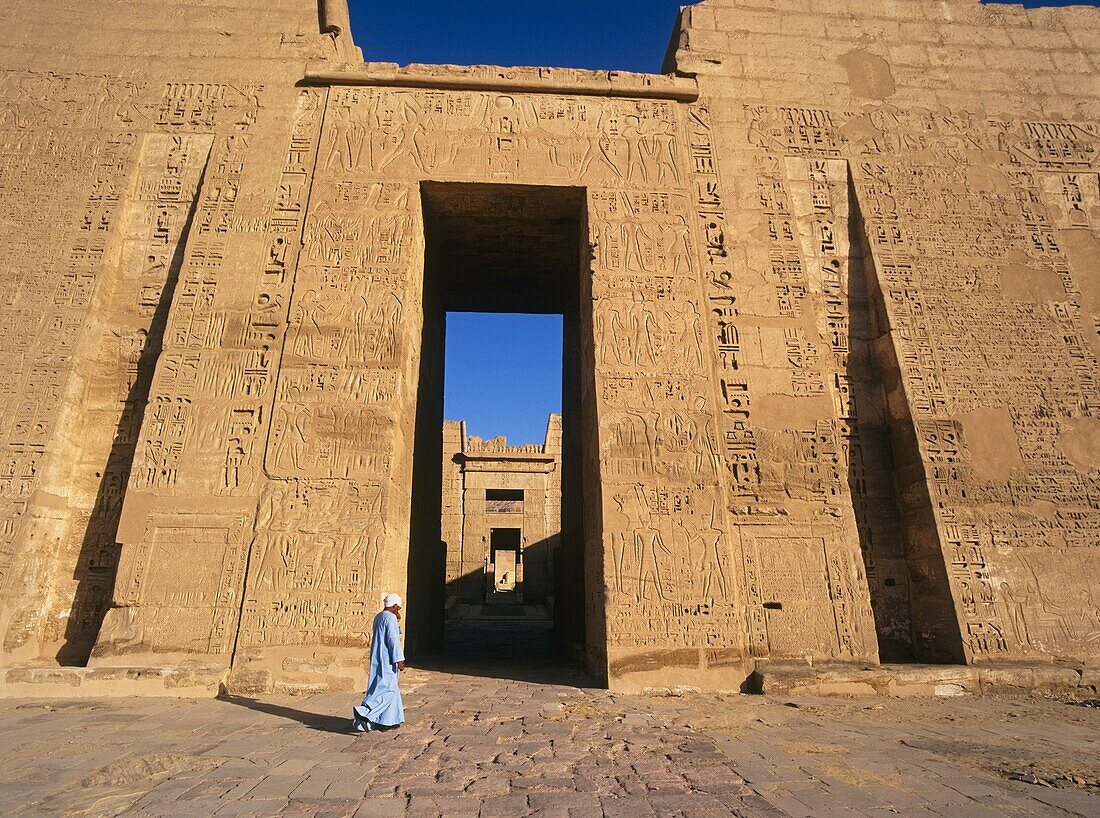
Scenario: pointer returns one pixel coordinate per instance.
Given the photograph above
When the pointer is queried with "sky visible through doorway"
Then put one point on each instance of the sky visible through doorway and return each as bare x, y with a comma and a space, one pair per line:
504, 372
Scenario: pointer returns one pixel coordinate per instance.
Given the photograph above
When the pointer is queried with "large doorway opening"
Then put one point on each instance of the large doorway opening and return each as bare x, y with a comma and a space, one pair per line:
489, 577
502, 472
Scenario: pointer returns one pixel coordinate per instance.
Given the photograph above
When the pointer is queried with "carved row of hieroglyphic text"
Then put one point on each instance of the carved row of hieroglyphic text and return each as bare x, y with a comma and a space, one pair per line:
34, 101
671, 570
320, 543
501, 137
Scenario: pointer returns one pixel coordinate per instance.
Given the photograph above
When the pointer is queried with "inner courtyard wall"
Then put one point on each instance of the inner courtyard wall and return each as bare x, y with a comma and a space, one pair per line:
472, 467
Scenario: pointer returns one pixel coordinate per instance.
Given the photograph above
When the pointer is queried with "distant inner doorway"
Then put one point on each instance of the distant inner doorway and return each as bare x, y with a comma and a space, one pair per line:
505, 562
507, 554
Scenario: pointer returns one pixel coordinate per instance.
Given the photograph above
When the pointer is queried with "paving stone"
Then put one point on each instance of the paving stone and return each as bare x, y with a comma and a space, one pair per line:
555, 783
381, 808
627, 758
252, 808
504, 806
342, 788
311, 788
274, 786
628, 806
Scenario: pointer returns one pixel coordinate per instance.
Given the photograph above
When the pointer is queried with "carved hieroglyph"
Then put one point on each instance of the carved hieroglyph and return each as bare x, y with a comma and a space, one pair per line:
839, 330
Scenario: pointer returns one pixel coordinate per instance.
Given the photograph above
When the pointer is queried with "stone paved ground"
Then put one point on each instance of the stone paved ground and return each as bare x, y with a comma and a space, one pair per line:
534, 740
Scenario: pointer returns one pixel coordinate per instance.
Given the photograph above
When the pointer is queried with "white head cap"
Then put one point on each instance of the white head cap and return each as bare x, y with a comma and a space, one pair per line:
390, 600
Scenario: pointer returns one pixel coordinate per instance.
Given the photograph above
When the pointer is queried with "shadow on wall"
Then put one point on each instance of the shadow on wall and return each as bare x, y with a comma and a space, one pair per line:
871, 467
915, 617
97, 563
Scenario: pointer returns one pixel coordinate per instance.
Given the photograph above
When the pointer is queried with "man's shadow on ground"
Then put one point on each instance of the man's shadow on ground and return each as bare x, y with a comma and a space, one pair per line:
322, 722
474, 654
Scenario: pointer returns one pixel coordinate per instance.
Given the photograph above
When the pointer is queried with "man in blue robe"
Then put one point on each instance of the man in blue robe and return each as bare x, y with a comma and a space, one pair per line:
381, 708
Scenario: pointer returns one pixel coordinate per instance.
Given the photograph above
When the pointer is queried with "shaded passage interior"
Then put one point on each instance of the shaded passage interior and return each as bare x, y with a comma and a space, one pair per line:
504, 584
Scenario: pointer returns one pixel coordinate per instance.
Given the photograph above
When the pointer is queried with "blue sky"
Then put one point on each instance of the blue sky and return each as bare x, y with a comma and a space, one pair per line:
622, 34
504, 372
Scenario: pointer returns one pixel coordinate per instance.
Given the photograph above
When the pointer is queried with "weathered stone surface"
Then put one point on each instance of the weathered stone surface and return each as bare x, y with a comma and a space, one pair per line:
830, 299
481, 745
76, 682
779, 678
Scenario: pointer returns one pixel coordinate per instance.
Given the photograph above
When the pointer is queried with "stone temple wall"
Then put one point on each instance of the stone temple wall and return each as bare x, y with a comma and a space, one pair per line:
148, 150
912, 213
838, 332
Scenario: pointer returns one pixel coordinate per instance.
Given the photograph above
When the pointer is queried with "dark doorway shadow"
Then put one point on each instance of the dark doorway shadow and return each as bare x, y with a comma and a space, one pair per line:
501, 641
514, 249
548, 669
322, 722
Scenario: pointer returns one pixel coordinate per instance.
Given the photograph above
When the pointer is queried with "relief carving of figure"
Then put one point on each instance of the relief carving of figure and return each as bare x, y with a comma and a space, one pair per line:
603, 149
662, 149
276, 561
641, 246
646, 328
400, 128
636, 153
373, 547
292, 441
275, 501
346, 145
715, 580
386, 318
320, 312
630, 446
624, 329
624, 544
652, 574
326, 565
673, 248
